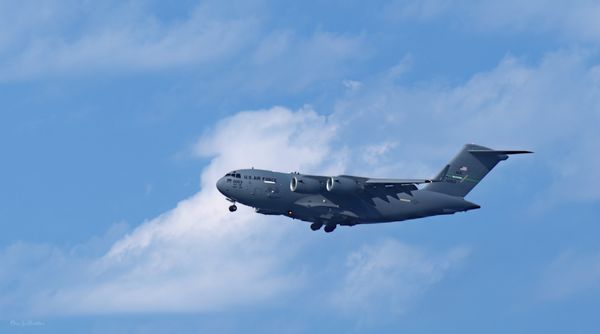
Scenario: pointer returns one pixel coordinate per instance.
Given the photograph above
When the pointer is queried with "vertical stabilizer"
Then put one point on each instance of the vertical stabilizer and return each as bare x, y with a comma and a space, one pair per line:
467, 169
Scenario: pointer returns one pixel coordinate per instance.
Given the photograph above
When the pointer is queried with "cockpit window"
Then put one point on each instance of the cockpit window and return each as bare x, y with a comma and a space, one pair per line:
237, 176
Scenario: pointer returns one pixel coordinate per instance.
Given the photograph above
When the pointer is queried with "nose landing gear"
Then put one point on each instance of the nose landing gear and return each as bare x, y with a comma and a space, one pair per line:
232, 207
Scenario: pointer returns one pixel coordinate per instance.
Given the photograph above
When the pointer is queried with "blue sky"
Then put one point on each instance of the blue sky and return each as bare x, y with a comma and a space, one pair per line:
118, 117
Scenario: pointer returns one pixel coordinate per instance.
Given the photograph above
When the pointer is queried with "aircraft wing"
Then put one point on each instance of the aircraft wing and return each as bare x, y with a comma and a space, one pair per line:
382, 188
397, 183
371, 188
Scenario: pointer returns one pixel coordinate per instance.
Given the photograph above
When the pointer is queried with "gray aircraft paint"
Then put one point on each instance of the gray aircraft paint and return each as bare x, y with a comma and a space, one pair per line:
350, 200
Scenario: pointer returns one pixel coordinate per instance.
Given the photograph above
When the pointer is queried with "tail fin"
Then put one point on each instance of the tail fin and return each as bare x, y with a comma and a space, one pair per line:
469, 167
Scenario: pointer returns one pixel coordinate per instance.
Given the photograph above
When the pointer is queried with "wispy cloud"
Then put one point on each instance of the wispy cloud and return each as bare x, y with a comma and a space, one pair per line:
549, 107
300, 61
124, 38
573, 21
417, 9
133, 39
388, 276
571, 274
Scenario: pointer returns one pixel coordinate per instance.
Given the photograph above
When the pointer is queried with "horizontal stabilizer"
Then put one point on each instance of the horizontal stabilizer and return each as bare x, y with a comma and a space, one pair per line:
498, 152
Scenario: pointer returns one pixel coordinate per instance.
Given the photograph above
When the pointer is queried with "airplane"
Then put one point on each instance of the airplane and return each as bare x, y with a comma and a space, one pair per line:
347, 200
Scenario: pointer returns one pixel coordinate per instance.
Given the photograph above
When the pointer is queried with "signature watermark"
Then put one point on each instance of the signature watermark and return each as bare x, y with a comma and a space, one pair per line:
26, 323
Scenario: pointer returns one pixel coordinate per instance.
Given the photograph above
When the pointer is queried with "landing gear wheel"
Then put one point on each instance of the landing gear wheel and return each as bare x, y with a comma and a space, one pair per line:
232, 208
316, 226
330, 227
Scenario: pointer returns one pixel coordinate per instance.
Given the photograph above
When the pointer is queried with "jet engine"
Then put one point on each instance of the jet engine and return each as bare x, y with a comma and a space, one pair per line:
305, 185
342, 185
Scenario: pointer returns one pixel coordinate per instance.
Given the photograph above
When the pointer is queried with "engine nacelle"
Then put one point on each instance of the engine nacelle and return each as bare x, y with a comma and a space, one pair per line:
305, 185
342, 185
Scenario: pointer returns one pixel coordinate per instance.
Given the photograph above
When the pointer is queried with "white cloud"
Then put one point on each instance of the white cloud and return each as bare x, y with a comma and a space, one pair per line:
388, 276
289, 144
197, 256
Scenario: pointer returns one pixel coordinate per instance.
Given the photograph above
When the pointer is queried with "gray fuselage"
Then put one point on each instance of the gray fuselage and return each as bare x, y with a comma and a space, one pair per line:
270, 193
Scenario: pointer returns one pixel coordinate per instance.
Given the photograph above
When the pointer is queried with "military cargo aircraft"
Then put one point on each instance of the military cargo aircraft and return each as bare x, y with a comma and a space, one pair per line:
348, 200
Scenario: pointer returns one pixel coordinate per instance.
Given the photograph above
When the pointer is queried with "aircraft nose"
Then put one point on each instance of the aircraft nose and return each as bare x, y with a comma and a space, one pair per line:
221, 185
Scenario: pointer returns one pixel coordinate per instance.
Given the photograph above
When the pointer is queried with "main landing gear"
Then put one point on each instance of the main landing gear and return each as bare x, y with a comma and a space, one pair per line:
328, 228
316, 226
